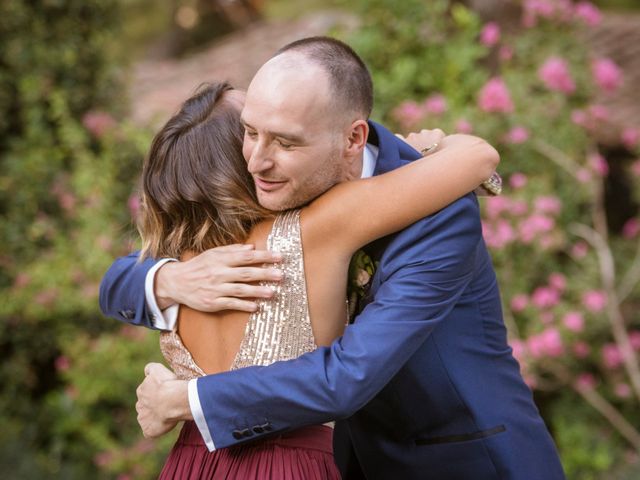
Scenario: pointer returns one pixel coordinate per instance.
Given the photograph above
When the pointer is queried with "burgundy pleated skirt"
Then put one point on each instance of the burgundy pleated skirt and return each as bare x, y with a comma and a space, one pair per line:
303, 454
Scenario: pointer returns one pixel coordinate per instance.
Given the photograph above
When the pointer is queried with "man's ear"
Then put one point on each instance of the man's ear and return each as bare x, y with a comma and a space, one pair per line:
357, 137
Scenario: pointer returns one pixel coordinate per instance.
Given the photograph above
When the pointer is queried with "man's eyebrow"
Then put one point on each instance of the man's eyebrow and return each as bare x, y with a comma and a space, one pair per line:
292, 137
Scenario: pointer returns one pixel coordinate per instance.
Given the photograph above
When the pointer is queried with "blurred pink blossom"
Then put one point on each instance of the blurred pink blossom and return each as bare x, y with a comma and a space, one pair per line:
547, 343
517, 135
634, 339
583, 175
630, 137
579, 117
622, 390
47, 297
519, 302
598, 164
496, 205
581, 349
611, 356
547, 318
495, 97
594, 300
134, 205
588, 13
98, 122
534, 9
463, 126
574, 321
599, 112
435, 104
103, 459
555, 75
490, 34
22, 280
635, 168
62, 363
503, 234
518, 208
545, 297
505, 53
518, 348
631, 228
408, 113
517, 180
533, 225
585, 381
558, 281
579, 249
548, 204
606, 74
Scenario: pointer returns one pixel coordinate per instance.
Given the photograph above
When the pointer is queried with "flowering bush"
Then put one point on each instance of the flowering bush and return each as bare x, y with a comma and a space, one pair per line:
569, 274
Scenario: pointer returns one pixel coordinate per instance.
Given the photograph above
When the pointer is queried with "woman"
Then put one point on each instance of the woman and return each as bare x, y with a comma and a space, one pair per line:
198, 195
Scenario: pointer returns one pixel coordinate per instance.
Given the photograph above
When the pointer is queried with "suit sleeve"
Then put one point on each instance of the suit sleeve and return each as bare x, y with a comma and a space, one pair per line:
424, 271
122, 291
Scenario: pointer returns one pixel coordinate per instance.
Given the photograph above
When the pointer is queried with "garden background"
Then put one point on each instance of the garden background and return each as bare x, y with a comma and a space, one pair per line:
84, 83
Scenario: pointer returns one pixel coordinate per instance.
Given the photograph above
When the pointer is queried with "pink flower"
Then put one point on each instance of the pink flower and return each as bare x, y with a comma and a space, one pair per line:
533, 225
98, 122
588, 13
631, 228
555, 75
496, 205
558, 281
505, 53
585, 381
517, 135
598, 164
490, 34
579, 117
574, 321
548, 204
552, 342
519, 302
435, 104
547, 318
583, 175
606, 74
545, 297
134, 205
517, 180
518, 349
463, 126
62, 363
103, 459
634, 339
599, 113
518, 208
622, 390
594, 300
495, 97
581, 349
611, 356
635, 168
630, 137
22, 280
408, 113
580, 250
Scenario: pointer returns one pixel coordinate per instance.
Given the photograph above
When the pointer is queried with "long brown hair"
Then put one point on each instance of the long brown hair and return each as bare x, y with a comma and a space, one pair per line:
197, 193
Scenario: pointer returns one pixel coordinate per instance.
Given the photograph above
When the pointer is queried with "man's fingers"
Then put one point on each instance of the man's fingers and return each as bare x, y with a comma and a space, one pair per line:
252, 257
234, 247
230, 303
241, 290
244, 275
159, 371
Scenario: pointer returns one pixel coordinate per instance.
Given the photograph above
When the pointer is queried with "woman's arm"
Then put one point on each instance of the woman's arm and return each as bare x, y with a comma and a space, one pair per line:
355, 213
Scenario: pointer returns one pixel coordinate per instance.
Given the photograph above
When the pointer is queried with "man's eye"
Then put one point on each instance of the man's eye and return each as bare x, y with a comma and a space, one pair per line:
284, 144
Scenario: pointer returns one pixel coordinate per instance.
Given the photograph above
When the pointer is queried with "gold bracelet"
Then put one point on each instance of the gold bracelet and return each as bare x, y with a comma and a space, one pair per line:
425, 151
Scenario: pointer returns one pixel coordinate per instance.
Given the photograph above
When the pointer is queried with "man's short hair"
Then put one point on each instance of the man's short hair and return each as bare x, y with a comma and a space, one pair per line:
349, 78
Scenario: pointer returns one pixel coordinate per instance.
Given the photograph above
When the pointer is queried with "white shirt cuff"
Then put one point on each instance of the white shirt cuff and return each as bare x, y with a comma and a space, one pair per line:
198, 414
163, 320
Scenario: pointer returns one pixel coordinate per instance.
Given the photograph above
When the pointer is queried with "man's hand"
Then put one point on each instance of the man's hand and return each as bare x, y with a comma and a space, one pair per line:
163, 401
217, 279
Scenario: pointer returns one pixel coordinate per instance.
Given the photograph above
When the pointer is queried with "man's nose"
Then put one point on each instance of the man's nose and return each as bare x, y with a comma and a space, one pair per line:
259, 159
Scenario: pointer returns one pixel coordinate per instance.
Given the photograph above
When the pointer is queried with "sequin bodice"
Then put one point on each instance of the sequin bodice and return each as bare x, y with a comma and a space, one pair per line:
281, 328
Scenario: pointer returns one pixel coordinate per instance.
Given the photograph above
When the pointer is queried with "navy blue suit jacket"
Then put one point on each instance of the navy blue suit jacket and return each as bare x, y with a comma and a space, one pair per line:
423, 383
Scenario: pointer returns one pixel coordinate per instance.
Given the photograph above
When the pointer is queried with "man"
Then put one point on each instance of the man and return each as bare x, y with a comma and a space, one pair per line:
423, 382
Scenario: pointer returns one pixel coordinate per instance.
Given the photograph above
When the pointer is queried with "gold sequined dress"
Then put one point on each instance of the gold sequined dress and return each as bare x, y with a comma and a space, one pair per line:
279, 330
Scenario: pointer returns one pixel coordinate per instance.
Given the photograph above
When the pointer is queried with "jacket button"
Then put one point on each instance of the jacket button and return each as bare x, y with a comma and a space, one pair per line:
127, 314
247, 433
237, 434
258, 429
266, 427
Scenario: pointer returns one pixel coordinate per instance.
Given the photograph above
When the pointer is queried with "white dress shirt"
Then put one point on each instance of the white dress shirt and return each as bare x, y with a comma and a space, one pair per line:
166, 319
